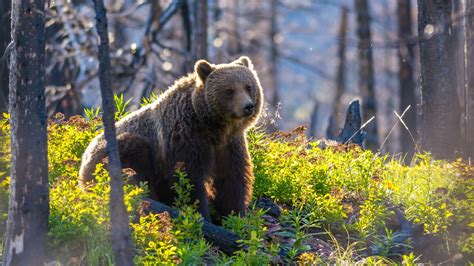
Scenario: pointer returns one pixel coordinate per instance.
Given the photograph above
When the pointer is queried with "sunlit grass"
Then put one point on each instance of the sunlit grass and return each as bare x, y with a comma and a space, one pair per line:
338, 195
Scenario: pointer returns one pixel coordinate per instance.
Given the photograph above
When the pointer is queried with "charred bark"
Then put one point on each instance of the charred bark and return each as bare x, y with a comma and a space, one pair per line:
405, 75
439, 116
340, 78
4, 41
27, 225
352, 132
273, 66
469, 75
120, 226
198, 18
313, 120
366, 72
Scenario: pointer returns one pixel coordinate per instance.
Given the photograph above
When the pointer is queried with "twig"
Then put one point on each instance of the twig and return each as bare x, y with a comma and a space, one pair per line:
393, 127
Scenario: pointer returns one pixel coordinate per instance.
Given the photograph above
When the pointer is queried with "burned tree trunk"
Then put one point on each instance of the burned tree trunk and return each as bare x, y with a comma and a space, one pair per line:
366, 72
439, 117
313, 120
273, 66
469, 75
198, 19
405, 75
234, 44
341, 73
4, 41
120, 225
27, 225
352, 131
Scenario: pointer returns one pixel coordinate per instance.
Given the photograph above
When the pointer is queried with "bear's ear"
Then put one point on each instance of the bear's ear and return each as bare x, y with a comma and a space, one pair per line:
203, 69
244, 61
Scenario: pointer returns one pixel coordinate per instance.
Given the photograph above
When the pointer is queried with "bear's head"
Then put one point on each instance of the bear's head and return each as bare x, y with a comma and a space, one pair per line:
231, 90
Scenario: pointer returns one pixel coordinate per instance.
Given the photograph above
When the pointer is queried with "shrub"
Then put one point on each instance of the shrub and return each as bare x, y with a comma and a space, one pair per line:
341, 195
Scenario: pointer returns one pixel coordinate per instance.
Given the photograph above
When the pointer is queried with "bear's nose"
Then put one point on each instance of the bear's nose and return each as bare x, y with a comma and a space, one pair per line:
248, 109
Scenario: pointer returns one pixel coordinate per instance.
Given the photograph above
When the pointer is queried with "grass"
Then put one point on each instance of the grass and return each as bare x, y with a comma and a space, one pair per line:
337, 205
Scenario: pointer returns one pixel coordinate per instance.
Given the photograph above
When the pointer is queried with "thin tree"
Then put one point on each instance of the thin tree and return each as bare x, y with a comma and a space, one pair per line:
313, 120
198, 19
274, 98
366, 72
273, 71
27, 225
439, 115
120, 226
405, 75
469, 75
4, 41
341, 73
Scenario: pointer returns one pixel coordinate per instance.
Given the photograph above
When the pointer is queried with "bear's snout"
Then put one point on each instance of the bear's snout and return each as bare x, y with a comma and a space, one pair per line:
249, 109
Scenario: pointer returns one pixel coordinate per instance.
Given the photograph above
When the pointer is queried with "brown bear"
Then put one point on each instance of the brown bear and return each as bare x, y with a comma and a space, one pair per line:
201, 121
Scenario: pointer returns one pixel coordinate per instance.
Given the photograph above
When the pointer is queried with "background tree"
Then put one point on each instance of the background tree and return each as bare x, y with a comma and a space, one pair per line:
27, 225
366, 72
469, 75
198, 19
4, 41
405, 74
439, 116
119, 221
340, 75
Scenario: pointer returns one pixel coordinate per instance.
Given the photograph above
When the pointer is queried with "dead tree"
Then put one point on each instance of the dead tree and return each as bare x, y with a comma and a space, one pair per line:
198, 19
234, 44
313, 120
469, 75
27, 225
341, 69
439, 116
4, 41
405, 75
366, 72
120, 225
273, 66
352, 131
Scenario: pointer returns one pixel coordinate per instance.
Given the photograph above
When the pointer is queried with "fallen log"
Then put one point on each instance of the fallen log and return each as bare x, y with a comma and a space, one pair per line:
407, 231
227, 241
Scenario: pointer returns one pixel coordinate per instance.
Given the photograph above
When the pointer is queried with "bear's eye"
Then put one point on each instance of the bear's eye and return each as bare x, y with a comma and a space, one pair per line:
229, 91
248, 88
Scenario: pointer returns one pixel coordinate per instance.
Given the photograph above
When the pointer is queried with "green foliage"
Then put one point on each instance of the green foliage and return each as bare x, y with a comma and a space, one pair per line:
153, 97
120, 106
339, 195
92, 113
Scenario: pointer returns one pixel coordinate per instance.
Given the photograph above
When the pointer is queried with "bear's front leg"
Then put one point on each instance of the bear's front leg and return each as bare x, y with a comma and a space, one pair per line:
196, 159
233, 179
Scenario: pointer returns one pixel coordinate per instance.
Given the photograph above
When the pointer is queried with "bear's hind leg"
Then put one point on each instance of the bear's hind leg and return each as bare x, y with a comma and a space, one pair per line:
137, 154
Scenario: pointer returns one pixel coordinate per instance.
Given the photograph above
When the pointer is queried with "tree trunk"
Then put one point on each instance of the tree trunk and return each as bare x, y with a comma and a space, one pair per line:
4, 41
469, 75
405, 75
234, 45
275, 98
366, 72
120, 225
272, 90
439, 116
27, 225
341, 69
313, 120
198, 18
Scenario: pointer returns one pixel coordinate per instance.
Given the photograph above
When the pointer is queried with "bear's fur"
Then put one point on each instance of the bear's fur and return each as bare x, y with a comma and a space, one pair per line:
201, 121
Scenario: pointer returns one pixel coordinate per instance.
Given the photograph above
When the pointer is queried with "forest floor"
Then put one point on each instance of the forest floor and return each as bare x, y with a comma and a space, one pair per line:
338, 204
